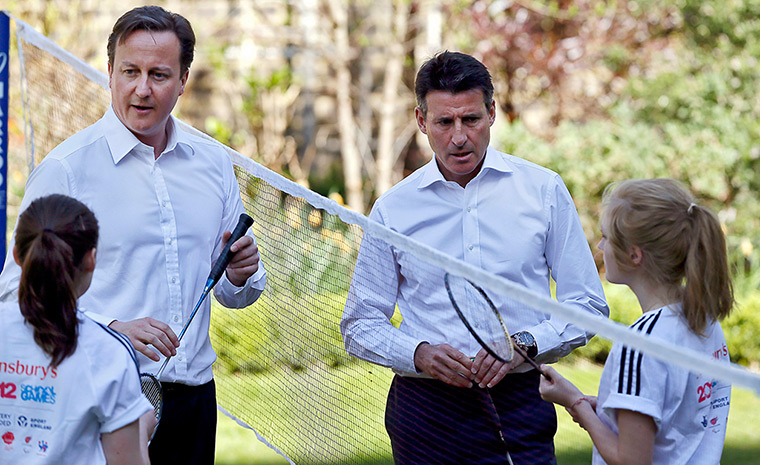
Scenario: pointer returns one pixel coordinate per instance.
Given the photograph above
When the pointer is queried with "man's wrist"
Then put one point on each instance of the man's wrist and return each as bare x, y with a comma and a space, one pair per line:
526, 341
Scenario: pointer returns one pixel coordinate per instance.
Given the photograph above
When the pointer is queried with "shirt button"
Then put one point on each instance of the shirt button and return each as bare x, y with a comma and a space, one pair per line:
176, 318
181, 358
469, 209
174, 280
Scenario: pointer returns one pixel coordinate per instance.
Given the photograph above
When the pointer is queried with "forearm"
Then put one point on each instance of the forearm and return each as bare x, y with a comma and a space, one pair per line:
125, 446
632, 446
605, 440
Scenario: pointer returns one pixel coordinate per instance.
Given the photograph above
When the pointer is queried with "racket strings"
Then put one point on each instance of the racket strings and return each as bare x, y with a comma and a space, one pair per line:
481, 317
151, 388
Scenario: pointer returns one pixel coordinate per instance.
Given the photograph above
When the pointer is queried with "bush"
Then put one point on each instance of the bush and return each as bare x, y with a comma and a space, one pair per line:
624, 308
742, 328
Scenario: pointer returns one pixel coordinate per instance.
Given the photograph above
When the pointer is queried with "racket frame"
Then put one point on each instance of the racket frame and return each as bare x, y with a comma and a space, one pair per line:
486, 347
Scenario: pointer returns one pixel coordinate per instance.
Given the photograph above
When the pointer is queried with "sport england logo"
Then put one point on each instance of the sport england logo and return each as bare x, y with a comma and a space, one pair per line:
22, 421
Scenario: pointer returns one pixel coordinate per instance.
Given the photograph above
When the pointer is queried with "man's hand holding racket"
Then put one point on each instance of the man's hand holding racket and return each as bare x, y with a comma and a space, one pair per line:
444, 363
245, 261
146, 332
487, 371
499, 355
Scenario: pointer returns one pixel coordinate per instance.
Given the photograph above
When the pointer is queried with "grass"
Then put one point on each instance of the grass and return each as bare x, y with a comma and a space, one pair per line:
239, 446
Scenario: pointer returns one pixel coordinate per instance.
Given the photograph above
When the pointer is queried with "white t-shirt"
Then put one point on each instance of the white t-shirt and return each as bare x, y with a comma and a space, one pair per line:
56, 415
689, 409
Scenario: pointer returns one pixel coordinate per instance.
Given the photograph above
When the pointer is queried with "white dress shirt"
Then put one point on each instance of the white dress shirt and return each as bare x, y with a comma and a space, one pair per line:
56, 415
161, 224
515, 219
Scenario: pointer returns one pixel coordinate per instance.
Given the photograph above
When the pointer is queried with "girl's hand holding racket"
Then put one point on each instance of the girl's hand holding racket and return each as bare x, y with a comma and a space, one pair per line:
558, 389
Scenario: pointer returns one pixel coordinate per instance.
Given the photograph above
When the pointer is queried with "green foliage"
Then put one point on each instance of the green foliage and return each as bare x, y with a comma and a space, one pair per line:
624, 308
742, 329
275, 333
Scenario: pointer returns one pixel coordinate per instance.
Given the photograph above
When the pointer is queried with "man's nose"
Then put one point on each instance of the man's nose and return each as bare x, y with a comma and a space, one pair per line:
143, 87
459, 137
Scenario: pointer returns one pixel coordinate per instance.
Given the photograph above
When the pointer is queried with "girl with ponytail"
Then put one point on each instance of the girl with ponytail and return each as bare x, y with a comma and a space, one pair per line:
71, 385
671, 252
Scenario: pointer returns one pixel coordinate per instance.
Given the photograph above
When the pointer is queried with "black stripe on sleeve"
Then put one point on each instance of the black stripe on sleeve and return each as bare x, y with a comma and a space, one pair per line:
621, 375
631, 361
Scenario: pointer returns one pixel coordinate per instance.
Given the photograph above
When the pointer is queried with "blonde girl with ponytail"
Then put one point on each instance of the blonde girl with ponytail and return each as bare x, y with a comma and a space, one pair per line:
671, 252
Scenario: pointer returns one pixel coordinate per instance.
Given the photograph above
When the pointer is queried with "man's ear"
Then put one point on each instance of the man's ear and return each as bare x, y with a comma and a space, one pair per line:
419, 115
16, 257
183, 82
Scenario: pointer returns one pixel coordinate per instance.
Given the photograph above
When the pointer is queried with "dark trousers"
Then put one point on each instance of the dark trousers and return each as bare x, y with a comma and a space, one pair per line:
430, 422
187, 432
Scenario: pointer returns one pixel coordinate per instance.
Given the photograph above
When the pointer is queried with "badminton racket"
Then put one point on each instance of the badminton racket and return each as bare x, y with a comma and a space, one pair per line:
151, 386
483, 320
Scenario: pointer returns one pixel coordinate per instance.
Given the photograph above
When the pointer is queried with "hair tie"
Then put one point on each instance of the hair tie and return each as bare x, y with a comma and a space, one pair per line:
48, 230
691, 208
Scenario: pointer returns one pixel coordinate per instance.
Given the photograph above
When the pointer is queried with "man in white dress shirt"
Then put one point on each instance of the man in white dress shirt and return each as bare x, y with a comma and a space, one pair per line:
166, 201
450, 402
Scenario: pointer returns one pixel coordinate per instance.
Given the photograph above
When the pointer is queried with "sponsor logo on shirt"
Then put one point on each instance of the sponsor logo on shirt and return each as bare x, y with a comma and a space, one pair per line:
24, 369
720, 402
27, 444
721, 353
28, 393
8, 439
43, 447
38, 394
22, 422
7, 391
6, 419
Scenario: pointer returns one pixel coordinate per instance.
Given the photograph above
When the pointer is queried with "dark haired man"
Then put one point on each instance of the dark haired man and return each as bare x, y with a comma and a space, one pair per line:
165, 200
451, 402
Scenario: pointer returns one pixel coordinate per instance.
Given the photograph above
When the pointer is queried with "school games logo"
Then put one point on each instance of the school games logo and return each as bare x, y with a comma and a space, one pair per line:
43, 447
38, 394
28, 393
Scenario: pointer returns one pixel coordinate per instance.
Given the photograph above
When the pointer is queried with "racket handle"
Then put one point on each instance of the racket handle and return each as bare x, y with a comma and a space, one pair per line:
244, 223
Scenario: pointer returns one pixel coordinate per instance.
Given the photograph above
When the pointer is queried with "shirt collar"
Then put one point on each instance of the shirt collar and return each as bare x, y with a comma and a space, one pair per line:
493, 161
121, 141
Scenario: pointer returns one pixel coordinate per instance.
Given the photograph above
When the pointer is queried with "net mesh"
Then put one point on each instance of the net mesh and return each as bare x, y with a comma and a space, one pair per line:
282, 365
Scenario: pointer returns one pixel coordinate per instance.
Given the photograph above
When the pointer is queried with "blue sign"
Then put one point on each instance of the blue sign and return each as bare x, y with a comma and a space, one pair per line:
5, 47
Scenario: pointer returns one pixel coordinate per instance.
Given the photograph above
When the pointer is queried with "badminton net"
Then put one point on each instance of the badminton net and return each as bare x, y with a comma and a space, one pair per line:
282, 367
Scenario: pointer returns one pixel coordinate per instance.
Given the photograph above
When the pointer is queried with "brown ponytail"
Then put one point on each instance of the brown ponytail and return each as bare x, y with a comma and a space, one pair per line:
683, 244
52, 237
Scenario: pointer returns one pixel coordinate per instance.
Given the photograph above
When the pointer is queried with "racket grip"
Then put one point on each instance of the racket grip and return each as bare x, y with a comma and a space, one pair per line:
243, 224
